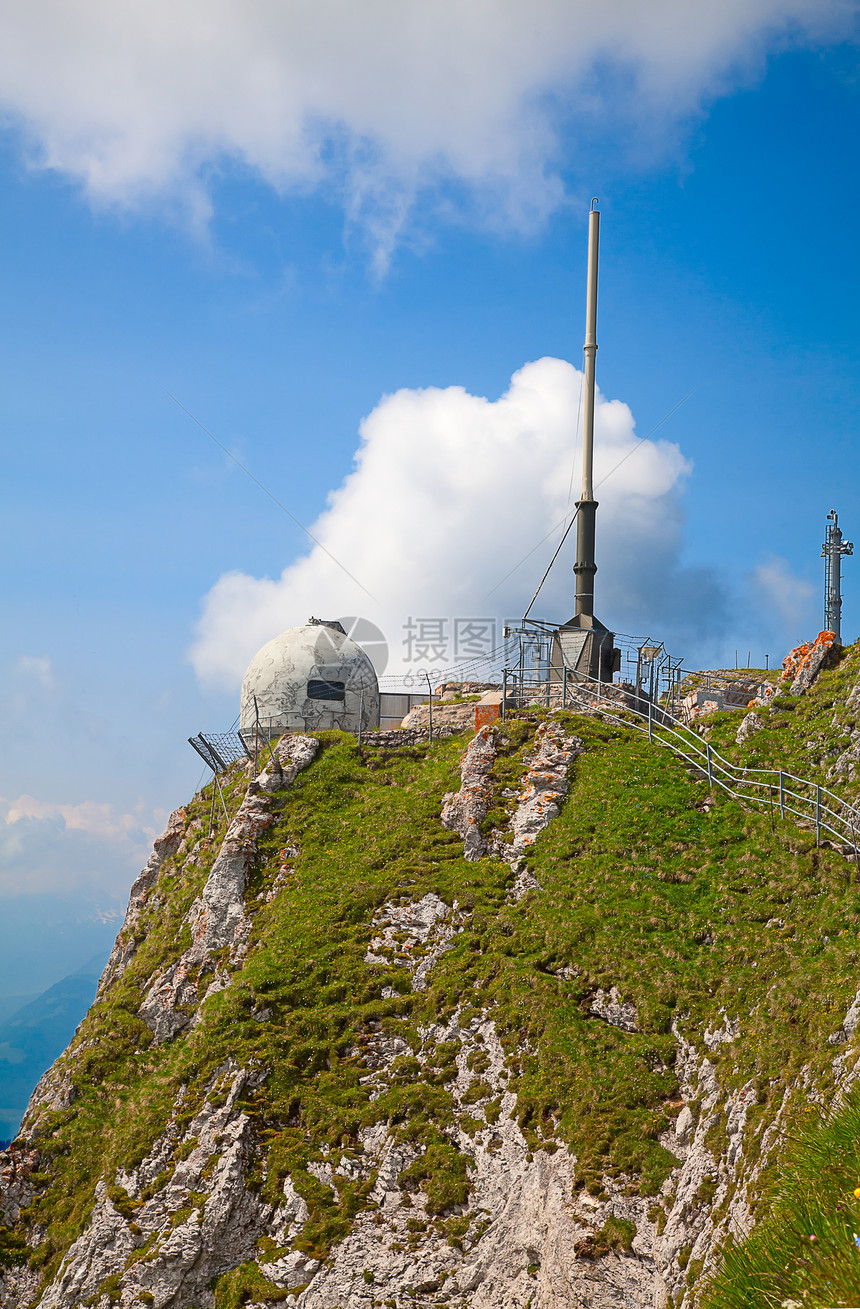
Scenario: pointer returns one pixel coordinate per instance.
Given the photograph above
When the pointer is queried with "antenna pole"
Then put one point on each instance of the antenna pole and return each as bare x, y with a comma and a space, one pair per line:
585, 567
832, 551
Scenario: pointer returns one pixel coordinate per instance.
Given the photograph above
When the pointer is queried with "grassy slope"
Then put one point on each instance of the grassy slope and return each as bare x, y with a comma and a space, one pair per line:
804, 1250
643, 888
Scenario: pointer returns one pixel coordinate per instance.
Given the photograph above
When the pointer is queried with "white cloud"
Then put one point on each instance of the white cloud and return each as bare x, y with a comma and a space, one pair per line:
86, 816
47, 847
38, 669
788, 601
449, 492
375, 99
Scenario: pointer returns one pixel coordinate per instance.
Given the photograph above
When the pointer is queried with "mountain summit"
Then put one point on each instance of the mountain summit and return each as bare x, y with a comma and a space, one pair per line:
530, 1018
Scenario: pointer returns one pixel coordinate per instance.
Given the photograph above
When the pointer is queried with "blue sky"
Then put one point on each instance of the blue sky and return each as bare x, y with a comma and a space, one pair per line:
161, 236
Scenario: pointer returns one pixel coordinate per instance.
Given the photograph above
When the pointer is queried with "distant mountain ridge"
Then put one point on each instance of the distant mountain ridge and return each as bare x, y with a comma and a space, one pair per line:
34, 1035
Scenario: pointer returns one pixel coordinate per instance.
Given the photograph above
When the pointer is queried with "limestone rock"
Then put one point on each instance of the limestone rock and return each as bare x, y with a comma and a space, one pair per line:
217, 919
849, 1023
525, 1217
541, 794
290, 755
465, 810
16, 1189
19, 1287
413, 936
802, 665
724, 1034
53, 1092
183, 1253
750, 725
544, 787
848, 761
615, 1011
690, 1224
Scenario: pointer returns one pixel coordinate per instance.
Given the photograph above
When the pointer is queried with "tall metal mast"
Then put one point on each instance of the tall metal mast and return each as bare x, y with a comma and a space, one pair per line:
583, 646
831, 552
585, 567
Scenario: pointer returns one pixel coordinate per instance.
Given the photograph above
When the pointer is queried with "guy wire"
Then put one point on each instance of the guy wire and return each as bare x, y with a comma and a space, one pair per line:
551, 562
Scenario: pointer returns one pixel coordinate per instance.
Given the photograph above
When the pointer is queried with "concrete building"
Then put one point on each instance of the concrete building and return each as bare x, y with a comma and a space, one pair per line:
309, 678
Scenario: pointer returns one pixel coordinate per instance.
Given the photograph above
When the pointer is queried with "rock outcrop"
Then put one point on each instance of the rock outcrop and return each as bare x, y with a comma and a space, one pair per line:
413, 936
523, 1222
750, 725
544, 788
465, 810
802, 665
217, 919
614, 1010
184, 1246
217, 922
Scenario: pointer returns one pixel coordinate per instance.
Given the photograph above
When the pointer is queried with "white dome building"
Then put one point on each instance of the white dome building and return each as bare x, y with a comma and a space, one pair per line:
309, 678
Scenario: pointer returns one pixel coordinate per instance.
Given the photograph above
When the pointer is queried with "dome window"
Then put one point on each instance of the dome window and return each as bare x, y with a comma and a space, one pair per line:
323, 689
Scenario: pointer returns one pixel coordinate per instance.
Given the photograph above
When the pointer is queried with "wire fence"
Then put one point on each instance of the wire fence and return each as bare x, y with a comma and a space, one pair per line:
772, 789
219, 750
478, 668
634, 705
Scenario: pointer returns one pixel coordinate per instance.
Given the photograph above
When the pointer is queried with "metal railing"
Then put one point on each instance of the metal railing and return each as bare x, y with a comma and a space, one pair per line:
771, 788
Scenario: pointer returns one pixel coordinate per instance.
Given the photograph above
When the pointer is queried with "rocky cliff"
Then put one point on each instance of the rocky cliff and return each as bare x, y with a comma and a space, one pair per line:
522, 1019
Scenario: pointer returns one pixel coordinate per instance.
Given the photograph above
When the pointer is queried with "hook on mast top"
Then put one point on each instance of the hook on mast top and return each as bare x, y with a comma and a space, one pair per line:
594, 201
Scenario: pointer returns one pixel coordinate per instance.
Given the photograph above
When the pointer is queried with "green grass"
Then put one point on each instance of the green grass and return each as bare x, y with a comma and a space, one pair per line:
245, 1283
642, 888
804, 1246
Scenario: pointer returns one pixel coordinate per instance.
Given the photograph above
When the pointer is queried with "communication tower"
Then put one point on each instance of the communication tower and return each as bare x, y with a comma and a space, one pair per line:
832, 552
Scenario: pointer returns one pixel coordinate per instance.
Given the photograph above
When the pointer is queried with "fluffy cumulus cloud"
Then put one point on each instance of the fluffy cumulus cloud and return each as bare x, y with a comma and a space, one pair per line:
453, 510
377, 99
47, 847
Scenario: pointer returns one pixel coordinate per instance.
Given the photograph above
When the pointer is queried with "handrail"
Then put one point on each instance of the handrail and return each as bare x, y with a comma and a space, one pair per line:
737, 780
